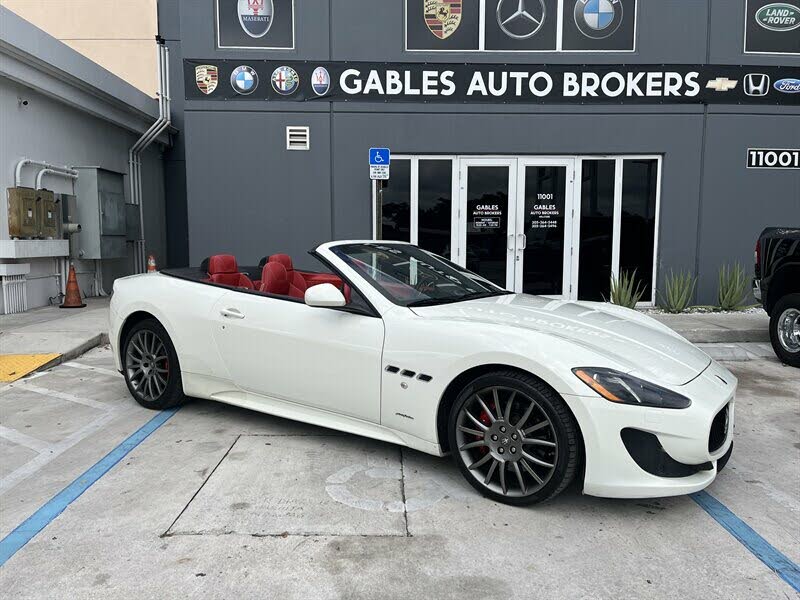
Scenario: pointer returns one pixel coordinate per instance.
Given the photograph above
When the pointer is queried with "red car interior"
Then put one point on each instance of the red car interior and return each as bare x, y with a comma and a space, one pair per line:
275, 279
223, 269
296, 277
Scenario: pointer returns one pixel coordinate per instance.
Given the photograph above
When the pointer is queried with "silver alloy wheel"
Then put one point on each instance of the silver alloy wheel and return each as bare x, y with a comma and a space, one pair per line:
147, 365
789, 330
507, 441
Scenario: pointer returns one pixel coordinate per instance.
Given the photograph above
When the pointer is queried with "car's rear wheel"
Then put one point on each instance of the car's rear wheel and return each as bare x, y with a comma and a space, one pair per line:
151, 366
784, 329
514, 438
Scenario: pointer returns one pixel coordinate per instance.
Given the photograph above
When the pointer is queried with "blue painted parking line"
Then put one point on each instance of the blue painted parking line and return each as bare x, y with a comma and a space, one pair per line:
786, 569
25, 532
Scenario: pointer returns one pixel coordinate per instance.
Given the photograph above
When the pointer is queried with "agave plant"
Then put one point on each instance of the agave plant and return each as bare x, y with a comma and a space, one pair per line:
679, 289
626, 290
732, 285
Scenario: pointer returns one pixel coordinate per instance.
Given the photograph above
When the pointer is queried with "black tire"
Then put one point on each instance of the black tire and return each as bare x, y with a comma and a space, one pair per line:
552, 424
723, 460
787, 351
150, 366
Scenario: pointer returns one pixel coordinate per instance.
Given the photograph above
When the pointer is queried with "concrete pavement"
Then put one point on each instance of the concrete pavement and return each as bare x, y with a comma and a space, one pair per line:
708, 328
220, 502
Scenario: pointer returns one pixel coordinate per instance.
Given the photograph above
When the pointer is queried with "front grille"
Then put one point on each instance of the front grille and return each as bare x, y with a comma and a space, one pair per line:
649, 454
719, 429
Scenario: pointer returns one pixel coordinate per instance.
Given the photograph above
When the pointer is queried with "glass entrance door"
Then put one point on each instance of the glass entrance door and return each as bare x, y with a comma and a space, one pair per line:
516, 221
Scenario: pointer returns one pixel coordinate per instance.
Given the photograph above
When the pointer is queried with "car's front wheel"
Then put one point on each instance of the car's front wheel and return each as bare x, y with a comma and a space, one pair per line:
151, 366
784, 329
514, 438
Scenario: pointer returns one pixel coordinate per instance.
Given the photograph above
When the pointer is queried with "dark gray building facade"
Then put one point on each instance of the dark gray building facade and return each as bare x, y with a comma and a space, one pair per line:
546, 144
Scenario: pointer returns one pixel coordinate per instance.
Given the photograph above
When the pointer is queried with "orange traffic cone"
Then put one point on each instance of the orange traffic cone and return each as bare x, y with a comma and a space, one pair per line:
73, 297
151, 264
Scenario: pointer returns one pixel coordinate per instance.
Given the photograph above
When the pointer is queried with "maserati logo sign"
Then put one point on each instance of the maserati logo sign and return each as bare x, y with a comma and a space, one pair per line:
321, 81
779, 16
598, 19
285, 80
207, 78
255, 16
442, 17
521, 19
756, 84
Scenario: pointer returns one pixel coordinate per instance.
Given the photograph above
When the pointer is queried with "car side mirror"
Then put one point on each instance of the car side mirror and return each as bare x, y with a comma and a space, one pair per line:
324, 295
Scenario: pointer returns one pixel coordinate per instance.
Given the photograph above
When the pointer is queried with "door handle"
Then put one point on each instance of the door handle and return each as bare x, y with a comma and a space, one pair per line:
231, 313
524, 240
510, 242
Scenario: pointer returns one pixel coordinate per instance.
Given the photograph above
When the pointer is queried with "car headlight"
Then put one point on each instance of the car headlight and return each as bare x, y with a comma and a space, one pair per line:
627, 389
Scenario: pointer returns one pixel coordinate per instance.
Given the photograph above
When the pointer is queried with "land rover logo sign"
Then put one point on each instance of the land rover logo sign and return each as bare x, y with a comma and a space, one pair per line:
598, 19
255, 16
780, 16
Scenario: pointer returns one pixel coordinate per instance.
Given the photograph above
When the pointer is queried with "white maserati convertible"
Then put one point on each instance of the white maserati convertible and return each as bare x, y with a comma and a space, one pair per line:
391, 342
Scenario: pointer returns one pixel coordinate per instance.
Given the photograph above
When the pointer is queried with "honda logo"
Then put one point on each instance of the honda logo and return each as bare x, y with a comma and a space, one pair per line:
756, 84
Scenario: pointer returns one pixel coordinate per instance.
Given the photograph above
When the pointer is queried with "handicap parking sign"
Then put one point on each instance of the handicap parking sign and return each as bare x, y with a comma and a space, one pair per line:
379, 159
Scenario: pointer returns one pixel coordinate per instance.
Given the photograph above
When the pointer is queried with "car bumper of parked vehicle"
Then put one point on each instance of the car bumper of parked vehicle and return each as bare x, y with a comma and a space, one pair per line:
637, 452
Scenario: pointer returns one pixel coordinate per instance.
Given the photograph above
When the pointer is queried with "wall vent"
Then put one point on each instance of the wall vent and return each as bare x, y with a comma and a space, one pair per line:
298, 138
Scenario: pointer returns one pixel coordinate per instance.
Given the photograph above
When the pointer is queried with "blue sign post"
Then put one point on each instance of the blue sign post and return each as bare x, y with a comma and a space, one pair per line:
379, 160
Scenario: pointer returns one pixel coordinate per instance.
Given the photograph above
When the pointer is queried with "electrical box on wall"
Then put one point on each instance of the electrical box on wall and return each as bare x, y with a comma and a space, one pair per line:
49, 220
100, 211
23, 213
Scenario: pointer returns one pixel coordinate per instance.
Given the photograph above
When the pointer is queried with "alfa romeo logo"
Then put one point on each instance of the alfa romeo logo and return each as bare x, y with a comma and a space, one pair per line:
521, 19
598, 19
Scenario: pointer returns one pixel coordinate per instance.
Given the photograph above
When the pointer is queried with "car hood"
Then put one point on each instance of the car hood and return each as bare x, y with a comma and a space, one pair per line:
634, 342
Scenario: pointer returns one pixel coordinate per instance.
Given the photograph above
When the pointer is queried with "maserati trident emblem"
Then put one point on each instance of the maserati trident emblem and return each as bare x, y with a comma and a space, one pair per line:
756, 84
598, 19
722, 84
442, 17
207, 78
255, 17
521, 19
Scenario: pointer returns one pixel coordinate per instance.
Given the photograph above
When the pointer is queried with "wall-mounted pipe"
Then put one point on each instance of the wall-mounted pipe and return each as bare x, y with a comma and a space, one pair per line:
48, 171
23, 162
135, 152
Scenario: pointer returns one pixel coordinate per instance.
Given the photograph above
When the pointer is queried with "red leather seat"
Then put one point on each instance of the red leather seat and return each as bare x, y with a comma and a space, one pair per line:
223, 269
295, 277
275, 280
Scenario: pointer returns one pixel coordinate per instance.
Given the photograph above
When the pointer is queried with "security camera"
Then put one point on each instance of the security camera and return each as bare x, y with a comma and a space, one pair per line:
23, 102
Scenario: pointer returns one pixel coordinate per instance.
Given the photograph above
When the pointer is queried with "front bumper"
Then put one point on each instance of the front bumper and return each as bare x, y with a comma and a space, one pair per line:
682, 458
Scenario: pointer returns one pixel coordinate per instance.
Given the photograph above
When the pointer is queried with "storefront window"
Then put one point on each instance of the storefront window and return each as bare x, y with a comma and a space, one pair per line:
435, 205
395, 203
597, 229
638, 226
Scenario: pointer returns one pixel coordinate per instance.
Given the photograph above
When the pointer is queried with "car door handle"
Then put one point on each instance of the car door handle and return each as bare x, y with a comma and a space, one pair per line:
231, 313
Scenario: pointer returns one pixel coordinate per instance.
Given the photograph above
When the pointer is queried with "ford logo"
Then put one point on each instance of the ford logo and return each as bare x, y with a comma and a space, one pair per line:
779, 16
788, 86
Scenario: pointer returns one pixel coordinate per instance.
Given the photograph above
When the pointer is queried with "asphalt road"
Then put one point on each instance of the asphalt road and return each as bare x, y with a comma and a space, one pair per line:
219, 502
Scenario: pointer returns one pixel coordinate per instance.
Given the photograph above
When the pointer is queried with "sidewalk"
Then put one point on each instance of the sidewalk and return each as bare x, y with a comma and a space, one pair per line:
52, 334
711, 328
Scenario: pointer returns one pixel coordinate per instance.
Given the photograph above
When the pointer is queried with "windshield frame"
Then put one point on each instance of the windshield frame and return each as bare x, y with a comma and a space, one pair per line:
341, 253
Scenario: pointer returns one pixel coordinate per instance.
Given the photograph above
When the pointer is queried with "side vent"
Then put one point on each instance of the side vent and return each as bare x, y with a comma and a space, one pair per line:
298, 138
407, 373
391, 369
423, 377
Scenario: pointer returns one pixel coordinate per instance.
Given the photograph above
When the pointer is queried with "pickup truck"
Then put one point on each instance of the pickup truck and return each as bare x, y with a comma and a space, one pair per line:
777, 286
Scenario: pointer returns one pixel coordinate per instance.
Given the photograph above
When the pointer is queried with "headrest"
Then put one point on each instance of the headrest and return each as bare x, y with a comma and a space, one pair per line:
274, 278
283, 259
222, 263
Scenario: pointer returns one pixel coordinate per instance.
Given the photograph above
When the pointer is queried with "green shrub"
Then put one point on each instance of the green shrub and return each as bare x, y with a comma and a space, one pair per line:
626, 290
679, 289
732, 285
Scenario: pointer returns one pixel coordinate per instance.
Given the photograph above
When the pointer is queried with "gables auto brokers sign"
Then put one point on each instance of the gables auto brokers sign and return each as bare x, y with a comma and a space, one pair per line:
485, 83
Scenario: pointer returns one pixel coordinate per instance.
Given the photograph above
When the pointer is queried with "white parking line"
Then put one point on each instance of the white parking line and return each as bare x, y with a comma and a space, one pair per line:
77, 365
64, 396
17, 437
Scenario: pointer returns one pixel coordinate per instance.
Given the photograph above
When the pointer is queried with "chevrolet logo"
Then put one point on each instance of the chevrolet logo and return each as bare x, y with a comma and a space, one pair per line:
722, 84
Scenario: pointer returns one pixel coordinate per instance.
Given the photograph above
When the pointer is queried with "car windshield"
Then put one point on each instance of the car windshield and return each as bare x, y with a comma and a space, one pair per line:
410, 276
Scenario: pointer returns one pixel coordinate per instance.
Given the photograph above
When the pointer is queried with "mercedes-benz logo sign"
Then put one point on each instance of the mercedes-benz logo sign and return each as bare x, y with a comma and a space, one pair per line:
521, 19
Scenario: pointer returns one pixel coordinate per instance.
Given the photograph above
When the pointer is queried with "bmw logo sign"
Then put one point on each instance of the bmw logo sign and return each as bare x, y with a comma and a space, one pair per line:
244, 80
598, 19
321, 81
285, 81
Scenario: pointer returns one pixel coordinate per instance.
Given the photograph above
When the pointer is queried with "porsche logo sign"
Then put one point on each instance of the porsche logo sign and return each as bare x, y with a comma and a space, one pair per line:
442, 17
207, 78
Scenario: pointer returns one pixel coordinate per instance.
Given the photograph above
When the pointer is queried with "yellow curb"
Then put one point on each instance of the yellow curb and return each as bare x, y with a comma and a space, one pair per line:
16, 366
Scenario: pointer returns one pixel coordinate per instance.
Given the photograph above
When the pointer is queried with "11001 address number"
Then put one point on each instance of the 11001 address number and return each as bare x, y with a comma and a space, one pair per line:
758, 158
